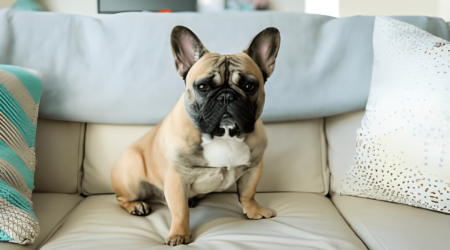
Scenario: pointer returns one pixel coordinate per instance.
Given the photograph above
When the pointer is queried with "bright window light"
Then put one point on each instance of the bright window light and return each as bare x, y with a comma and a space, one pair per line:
322, 7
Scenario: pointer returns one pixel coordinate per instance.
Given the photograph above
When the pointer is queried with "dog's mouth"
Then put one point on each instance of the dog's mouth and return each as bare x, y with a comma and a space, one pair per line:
227, 127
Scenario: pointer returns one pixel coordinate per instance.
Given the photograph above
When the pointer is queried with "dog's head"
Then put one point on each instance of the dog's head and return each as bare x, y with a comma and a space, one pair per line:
224, 93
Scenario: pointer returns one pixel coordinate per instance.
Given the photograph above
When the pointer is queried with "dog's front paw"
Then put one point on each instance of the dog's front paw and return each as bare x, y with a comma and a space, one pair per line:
175, 240
255, 212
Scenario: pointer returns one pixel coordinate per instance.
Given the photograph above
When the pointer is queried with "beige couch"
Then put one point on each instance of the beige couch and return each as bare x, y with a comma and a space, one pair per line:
304, 163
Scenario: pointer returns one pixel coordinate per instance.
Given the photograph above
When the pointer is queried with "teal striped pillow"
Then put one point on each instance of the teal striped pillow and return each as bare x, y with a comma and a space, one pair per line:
20, 91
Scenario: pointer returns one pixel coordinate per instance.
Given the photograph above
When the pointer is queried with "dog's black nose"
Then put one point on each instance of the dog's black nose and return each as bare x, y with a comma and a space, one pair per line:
225, 97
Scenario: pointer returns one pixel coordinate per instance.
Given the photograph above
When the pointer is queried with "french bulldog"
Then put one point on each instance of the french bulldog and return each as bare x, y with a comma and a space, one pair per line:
211, 139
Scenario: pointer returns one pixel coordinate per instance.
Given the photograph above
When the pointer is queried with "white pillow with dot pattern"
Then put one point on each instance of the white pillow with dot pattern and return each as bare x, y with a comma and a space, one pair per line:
403, 145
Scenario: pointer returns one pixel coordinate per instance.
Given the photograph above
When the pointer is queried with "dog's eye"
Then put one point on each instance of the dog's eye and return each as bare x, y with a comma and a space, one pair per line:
203, 87
249, 87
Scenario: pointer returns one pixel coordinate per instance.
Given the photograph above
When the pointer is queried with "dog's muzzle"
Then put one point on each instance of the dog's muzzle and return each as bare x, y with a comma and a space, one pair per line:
225, 112
226, 126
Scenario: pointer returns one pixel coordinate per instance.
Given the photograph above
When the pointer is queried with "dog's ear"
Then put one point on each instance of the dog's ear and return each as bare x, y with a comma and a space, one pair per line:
263, 49
186, 49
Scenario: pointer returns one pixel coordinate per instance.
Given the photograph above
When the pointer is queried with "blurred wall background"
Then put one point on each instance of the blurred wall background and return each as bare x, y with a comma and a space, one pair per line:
82, 7
438, 8
338, 8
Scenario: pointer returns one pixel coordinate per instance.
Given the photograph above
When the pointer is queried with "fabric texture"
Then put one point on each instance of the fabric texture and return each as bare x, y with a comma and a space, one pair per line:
304, 221
20, 91
402, 153
120, 69
340, 131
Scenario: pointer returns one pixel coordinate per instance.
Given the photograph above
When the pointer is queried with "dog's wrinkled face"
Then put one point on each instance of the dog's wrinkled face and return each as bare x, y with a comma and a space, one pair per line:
224, 92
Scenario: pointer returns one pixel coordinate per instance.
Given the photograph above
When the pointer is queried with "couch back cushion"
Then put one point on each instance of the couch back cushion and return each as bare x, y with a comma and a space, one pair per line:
341, 139
59, 155
295, 159
316, 86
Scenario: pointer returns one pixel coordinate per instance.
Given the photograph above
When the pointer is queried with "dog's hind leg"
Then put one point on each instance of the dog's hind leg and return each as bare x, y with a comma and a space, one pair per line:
148, 193
133, 195
139, 208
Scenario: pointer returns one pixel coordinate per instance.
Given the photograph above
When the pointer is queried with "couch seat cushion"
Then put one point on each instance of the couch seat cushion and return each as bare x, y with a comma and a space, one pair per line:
304, 221
50, 210
385, 225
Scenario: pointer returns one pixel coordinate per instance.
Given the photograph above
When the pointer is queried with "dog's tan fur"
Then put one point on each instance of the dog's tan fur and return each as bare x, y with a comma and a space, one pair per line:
159, 158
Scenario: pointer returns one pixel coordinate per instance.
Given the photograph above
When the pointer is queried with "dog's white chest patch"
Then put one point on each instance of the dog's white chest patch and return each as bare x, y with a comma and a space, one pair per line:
225, 151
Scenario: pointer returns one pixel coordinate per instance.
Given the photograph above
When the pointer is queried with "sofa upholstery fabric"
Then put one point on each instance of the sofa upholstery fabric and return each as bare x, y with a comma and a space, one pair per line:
295, 159
59, 155
104, 145
304, 221
50, 210
115, 57
340, 132
386, 225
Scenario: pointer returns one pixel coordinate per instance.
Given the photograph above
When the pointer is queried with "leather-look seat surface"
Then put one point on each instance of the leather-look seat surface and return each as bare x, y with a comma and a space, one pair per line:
386, 225
51, 210
304, 221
